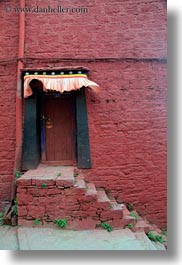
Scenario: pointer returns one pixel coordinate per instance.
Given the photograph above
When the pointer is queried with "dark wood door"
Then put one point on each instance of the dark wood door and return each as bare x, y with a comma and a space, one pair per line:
59, 130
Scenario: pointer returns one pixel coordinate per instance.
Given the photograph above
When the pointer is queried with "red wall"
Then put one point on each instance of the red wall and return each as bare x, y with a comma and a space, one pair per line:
127, 123
8, 50
127, 120
110, 29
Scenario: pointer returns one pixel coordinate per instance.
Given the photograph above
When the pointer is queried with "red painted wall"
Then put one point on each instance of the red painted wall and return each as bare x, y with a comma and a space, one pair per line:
8, 50
128, 135
127, 120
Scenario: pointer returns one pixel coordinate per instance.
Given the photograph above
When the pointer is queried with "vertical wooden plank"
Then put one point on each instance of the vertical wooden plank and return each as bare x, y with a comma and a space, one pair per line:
63, 129
42, 129
83, 143
31, 152
49, 129
59, 136
73, 111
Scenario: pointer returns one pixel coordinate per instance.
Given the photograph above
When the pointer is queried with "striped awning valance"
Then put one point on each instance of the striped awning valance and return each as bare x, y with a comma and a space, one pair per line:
59, 82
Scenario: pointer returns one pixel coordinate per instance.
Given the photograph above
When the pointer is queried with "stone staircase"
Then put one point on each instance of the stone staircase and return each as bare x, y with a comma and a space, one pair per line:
50, 193
47, 194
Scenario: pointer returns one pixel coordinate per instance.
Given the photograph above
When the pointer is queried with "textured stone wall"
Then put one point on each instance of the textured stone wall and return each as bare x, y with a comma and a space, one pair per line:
127, 120
7, 130
8, 66
109, 29
127, 123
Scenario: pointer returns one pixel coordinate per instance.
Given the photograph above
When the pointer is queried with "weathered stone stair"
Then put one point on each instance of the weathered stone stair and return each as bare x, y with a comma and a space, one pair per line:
53, 193
50, 193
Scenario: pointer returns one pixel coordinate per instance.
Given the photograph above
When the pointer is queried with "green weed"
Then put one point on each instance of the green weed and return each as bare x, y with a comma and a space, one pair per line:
1, 218
134, 215
36, 222
107, 226
17, 174
164, 232
15, 207
130, 226
43, 185
155, 238
130, 206
61, 222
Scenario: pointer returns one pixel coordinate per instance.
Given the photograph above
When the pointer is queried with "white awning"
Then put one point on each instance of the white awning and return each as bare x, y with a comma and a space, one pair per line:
59, 82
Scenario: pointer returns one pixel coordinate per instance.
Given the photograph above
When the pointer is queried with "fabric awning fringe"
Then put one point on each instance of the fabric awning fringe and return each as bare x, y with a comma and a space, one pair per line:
59, 83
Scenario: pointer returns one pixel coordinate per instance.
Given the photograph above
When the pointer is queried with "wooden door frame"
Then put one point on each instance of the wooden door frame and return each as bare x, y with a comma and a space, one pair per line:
31, 133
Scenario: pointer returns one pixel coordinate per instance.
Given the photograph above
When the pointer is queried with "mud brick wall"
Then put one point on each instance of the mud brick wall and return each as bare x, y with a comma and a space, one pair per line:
127, 120
116, 28
8, 50
127, 123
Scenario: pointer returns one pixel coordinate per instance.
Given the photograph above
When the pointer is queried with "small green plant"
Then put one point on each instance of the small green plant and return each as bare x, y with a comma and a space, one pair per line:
130, 206
1, 214
107, 226
61, 222
36, 222
130, 226
15, 210
15, 207
43, 185
17, 174
164, 232
155, 238
59, 174
1, 218
134, 215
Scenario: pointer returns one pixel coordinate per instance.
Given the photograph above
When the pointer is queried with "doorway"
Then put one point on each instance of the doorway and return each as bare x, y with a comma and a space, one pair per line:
55, 129
58, 129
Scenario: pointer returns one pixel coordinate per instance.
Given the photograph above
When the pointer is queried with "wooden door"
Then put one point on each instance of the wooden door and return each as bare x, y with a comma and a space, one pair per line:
59, 130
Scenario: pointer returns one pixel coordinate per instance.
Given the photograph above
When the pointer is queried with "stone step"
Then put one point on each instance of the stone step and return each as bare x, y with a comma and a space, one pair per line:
80, 176
113, 201
80, 183
61, 176
116, 206
150, 245
66, 175
139, 218
102, 196
141, 226
127, 218
126, 211
158, 246
156, 231
144, 241
44, 171
91, 189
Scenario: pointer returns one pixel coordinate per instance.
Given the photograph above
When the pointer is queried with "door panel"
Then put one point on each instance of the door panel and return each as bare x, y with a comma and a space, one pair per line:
59, 128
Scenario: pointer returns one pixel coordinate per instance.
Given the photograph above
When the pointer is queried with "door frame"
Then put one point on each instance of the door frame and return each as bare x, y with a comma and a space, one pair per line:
31, 155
